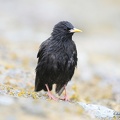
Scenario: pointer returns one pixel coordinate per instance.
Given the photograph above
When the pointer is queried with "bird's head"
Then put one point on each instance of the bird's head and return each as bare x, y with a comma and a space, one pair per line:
64, 28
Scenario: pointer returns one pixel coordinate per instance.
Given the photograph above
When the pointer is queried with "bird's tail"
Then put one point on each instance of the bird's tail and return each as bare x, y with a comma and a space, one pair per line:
39, 85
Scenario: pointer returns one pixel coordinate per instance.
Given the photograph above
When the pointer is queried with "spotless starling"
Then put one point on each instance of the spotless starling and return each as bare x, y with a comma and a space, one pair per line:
57, 59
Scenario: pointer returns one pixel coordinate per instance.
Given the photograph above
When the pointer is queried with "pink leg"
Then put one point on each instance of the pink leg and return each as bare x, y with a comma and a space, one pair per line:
50, 94
66, 96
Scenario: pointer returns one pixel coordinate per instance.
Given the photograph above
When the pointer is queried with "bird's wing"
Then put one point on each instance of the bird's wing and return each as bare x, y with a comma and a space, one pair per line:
42, 48
39, 83
74, 55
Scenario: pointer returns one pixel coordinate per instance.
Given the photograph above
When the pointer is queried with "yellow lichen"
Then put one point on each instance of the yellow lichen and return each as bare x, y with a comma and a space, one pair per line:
21, 93
9, 66
34, 95
74, 97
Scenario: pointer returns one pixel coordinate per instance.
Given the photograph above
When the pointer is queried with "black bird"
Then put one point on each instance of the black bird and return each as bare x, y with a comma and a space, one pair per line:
57, 59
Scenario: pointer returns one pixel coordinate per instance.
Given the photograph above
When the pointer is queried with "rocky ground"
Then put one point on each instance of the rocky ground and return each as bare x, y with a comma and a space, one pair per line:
96, 82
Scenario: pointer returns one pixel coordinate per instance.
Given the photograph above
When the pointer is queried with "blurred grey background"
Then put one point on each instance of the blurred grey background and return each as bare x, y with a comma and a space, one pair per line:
28, 19
32, 21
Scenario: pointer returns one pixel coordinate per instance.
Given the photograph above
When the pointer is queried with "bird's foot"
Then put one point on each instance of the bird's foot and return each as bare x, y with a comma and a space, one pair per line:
65, 98
52, 96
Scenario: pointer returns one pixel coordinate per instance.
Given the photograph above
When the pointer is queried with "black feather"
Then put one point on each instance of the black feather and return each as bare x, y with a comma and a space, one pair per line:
57, 59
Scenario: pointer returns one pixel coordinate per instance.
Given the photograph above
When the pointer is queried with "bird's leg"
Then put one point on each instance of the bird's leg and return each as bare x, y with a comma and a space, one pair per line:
50, 94
65, 96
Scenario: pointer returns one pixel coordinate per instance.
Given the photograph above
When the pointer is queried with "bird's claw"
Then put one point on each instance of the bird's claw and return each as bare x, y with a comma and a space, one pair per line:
65, 98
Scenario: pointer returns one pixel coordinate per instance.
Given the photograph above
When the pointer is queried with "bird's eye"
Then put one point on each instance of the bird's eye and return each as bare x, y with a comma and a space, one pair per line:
67, 29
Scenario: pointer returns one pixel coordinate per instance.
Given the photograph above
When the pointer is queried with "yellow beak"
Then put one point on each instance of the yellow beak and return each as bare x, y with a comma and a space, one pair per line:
75, 30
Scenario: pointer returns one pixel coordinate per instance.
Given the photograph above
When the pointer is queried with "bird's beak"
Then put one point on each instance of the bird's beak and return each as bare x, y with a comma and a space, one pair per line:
75, 30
